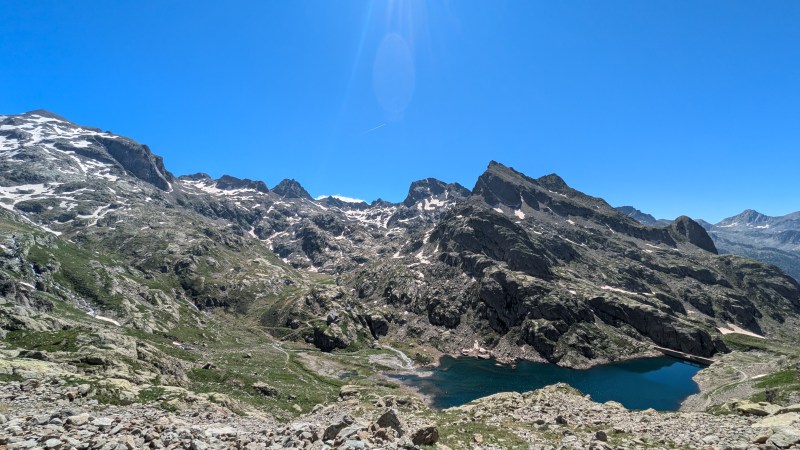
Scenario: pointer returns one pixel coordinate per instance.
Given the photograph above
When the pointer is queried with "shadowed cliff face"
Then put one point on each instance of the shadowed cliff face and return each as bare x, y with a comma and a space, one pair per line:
577, 280
684, 228
528, 267
138, 160
44, 136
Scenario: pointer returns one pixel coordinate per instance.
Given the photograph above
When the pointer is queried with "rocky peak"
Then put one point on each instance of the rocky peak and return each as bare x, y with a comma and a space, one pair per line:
554, 183
46, 114
290, 188
199, 176
137, 160
340, 202
36, 131
747, 217
433, 188
40, 116
501, 184
687, 230
642, 217
228, 182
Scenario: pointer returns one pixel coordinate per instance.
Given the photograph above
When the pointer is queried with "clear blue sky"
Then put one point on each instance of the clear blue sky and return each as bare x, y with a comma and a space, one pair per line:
676, 107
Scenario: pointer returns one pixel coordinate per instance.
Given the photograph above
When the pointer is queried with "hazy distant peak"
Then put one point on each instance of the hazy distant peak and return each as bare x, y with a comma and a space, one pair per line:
642, 217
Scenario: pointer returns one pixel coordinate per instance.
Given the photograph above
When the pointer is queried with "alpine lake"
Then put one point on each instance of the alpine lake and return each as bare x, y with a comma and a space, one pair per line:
660, 383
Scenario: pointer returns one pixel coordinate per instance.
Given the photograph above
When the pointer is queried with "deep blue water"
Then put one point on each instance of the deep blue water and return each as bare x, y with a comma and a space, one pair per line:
658, 383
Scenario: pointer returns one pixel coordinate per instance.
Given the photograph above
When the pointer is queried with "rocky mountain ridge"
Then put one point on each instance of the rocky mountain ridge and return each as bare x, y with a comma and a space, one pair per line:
519, 262
178, 291
774, 240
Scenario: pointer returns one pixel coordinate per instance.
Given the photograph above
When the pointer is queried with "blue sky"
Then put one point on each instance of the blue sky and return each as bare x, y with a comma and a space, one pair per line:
676, 107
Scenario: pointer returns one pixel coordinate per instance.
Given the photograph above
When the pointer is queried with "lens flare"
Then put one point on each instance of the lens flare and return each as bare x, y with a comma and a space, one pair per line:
393, 74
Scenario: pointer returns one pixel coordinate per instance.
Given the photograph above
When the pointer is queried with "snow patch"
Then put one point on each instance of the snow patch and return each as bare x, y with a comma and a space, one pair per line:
573, 242
623, 291
104, 319
732, 328
432, 204
342, 198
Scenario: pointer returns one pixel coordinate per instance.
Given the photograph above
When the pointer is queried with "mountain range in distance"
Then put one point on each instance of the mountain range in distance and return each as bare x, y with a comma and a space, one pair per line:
772, 239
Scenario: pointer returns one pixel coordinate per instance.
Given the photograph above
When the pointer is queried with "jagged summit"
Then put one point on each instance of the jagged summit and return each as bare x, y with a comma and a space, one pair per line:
40, 146
199, 176
229, 182
500, 184
501, 169
290, 188
554, 182
748, 217
642, 217
503, 185
46, 114
431, 188
381, 203
204, 181
340, 201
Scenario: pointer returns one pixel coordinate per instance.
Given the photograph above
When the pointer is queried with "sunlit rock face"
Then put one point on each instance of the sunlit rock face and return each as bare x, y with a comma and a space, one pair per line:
529, 267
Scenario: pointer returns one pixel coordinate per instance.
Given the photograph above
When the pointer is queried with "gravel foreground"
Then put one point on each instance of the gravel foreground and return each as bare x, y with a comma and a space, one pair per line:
53, 414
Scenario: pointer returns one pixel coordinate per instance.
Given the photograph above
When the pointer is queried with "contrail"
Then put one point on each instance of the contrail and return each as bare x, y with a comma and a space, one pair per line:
373, 129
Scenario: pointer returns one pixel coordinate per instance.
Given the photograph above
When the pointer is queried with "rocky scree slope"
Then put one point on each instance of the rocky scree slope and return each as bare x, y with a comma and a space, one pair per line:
554, 417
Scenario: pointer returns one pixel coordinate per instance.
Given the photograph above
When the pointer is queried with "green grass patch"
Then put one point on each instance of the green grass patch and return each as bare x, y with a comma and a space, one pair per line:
163, 343
745, 343
779, 379
779, 388
10, 377
49, 341
235, 376
455, 434
155, 394
81, 270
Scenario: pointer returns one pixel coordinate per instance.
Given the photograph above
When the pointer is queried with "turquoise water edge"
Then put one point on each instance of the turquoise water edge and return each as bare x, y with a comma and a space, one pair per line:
659, 383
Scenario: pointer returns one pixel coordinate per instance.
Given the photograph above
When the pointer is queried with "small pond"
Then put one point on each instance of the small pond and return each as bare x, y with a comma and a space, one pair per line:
658, 383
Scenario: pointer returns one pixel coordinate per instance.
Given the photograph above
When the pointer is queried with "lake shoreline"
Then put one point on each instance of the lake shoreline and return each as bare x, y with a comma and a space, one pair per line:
432, 385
